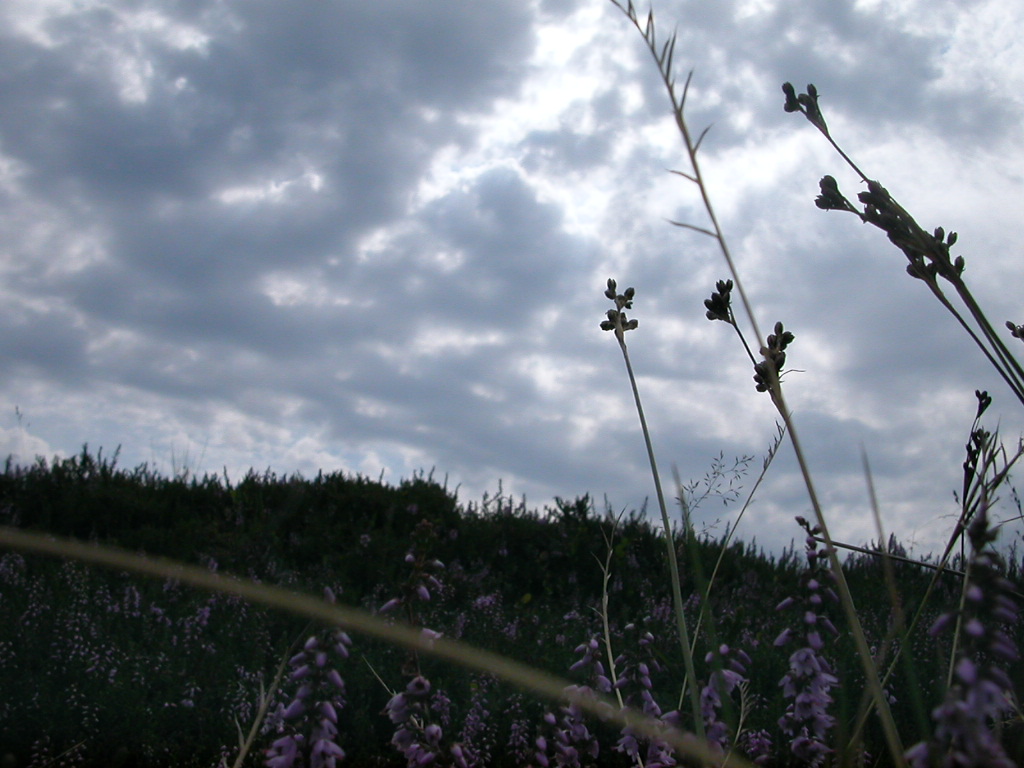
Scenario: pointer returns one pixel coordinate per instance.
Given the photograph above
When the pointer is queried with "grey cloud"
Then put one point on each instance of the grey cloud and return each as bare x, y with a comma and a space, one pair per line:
333, 86
564, 150
866, 68
36, 341
412, 326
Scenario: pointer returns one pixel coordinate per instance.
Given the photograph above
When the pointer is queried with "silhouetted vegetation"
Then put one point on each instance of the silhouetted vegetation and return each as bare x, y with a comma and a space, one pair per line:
85, 646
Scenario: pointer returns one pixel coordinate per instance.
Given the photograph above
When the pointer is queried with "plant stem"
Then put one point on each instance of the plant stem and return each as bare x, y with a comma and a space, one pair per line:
677, 593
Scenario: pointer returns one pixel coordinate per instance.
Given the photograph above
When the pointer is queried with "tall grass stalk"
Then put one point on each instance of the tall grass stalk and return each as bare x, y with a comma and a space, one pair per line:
927, 253
985, 453
663, 56
606, 629
898, 629
618, 322
705, 603
266, 697
986, 469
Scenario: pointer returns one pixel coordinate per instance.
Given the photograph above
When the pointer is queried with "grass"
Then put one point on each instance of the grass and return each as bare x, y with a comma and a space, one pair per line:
708, 671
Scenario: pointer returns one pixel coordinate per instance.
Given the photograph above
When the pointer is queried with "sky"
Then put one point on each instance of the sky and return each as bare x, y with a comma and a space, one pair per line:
375, 237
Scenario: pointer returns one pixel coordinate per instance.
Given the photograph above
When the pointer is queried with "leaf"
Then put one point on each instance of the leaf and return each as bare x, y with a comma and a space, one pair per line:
667, 52
695, 228
686, 89
701, 138
684, 175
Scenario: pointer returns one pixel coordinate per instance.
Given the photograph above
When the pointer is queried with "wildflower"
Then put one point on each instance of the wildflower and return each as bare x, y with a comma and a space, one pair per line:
310, 721
591, 660
566, 735
518, 739
810, 677
477, 736
417, 736
422, 578
757, 745
729, 675
980, 694
407, 711
636, 665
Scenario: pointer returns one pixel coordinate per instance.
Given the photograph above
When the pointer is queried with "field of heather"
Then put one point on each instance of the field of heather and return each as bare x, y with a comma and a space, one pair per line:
100, 667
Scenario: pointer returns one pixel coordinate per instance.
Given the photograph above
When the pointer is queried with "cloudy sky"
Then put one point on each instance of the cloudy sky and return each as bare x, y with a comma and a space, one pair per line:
374, 237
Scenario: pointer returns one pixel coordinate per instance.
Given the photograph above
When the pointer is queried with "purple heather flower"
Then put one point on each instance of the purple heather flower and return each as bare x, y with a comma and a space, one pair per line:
419, 740
980, 694
429, 636
591, 660
635, 667
390, 605
810, 677
476, 739
756, 745
422, 579
730, 675
519, 740
310, 720
566, 735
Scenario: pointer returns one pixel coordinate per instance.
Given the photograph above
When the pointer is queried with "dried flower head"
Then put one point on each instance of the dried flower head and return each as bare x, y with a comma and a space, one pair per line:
617, 320
831, 199
806, 103
719, 306
774, 355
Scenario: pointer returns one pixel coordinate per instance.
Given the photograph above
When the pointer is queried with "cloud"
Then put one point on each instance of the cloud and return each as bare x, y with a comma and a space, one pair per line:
327, 235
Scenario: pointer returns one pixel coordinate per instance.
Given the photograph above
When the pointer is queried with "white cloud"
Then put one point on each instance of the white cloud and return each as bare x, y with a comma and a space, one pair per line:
309, 236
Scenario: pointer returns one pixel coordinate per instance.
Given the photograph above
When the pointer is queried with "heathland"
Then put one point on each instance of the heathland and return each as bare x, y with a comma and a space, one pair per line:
108, 668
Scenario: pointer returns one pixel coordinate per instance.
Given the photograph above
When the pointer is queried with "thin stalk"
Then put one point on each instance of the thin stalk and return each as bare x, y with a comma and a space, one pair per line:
677, 593
891, 556
266, 696
1007, 366
606, 572
663, 59
954, 647
898, 627
892, 737
772, 450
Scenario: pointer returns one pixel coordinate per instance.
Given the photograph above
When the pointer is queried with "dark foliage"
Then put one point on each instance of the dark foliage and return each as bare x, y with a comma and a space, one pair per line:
157, 673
